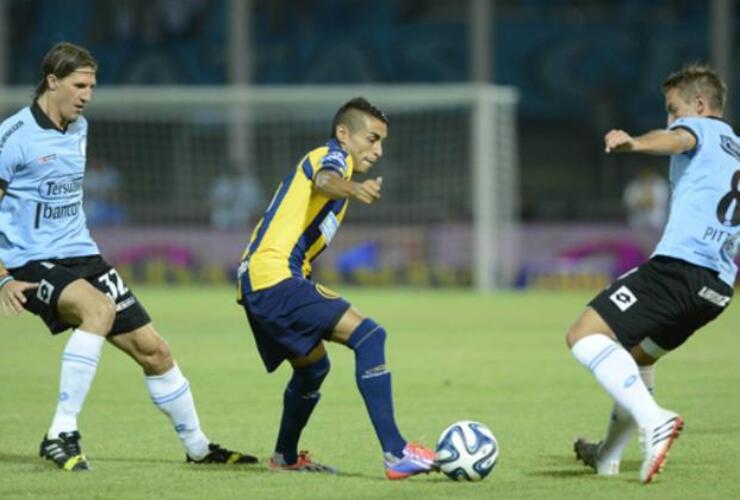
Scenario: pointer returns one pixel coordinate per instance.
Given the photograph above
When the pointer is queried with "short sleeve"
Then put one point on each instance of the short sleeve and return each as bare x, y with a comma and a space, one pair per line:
692, 125
335, 159
10, 152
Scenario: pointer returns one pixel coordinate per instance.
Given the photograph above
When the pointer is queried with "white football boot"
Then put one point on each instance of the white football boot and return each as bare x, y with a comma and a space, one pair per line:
656, 440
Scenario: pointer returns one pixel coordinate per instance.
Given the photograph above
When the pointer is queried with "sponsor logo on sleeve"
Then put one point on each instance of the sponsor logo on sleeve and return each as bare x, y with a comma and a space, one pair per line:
335, 159
8, 133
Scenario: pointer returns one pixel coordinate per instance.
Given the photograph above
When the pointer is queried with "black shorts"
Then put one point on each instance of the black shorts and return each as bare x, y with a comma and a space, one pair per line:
661, 303
54, 275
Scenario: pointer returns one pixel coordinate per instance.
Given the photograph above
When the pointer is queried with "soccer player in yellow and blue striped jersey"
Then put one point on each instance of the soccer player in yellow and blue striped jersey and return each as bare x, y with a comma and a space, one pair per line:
291, 316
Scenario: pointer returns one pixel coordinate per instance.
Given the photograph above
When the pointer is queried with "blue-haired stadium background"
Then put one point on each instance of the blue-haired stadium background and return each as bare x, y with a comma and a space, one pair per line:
579, 68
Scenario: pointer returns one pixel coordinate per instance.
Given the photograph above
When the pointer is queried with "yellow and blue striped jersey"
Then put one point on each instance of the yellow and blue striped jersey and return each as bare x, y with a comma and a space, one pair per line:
299, 221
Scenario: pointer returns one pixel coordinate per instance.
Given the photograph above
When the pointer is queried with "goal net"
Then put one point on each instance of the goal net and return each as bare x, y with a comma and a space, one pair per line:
179, 175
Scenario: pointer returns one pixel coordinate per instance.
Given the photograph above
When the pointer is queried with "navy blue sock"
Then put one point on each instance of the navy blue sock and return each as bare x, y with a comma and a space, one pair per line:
374, 382
300, 398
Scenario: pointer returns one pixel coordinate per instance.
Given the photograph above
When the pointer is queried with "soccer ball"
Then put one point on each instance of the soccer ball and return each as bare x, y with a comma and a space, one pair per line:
467, 451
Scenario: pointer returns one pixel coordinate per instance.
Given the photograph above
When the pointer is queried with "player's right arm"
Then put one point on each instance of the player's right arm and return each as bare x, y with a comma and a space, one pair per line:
329, 183
11, 290
658, 142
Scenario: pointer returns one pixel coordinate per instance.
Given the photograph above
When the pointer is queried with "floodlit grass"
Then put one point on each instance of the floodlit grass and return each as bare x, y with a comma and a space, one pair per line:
454, 355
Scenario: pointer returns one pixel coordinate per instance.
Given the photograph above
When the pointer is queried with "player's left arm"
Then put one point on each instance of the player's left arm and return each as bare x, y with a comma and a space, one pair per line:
657, 142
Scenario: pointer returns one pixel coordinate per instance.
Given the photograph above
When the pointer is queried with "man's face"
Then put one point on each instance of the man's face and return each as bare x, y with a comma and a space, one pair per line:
72, 93
364, 144
677, 107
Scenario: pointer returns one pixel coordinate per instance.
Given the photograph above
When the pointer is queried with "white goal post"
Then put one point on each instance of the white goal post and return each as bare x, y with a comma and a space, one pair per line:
449, 210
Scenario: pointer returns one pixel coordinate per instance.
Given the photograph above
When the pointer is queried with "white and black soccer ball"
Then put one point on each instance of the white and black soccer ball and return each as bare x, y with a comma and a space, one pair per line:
467, 451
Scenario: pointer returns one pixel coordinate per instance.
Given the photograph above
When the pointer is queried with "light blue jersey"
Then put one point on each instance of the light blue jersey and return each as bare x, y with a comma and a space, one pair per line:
41, 171
704, 222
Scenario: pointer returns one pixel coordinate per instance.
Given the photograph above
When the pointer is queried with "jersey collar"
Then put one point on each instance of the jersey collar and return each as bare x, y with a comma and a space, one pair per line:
720, 119
335, 144
42, 120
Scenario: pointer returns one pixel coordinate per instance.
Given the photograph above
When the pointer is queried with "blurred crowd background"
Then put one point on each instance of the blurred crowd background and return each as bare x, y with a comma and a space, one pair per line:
579, 67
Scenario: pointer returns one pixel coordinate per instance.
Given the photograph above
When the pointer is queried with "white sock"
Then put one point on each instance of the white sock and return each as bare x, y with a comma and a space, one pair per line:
617, 372
621, 424
647, 374
170, 392
79, 363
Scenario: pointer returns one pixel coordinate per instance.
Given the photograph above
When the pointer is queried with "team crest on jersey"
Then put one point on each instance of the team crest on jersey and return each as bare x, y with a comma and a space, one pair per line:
46, 159
83, 145
327, 293
623, 298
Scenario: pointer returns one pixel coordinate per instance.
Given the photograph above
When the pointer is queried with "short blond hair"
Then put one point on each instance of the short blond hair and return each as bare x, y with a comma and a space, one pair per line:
698, 79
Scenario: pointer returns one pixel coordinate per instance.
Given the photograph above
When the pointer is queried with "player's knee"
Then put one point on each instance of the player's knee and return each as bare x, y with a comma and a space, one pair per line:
98, 315
368, 342
583, 327
307, 380
367, 334
157, 358
572, 336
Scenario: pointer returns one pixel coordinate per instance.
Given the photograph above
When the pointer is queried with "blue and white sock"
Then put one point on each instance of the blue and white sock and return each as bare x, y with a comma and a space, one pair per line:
374, 382
616, 371
621, 424
79, 363
170, 392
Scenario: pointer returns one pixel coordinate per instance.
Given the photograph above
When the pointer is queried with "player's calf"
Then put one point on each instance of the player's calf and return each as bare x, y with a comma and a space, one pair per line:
374, 383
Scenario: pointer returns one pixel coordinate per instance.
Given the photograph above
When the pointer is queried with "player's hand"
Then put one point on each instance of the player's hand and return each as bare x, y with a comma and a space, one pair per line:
618, 141
368, 191
12, 297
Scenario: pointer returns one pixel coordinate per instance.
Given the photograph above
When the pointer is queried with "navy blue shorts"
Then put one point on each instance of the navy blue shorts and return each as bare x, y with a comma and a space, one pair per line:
289, 319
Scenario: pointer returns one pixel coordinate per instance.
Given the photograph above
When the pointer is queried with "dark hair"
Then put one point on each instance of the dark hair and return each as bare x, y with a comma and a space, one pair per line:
348, 114
61, 60
698, 79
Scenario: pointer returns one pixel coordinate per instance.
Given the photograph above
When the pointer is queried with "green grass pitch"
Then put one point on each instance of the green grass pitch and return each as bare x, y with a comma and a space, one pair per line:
497, 358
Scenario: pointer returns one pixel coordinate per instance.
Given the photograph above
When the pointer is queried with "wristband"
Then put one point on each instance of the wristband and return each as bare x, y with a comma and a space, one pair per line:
5, 279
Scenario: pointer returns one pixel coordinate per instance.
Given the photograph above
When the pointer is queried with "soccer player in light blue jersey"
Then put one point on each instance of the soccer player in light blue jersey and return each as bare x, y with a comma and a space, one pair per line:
688, 281
50, 265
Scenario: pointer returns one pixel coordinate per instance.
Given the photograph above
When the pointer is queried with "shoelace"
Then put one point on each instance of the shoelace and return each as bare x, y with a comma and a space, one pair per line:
304, 460
217, 450
418, 453
71, 444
